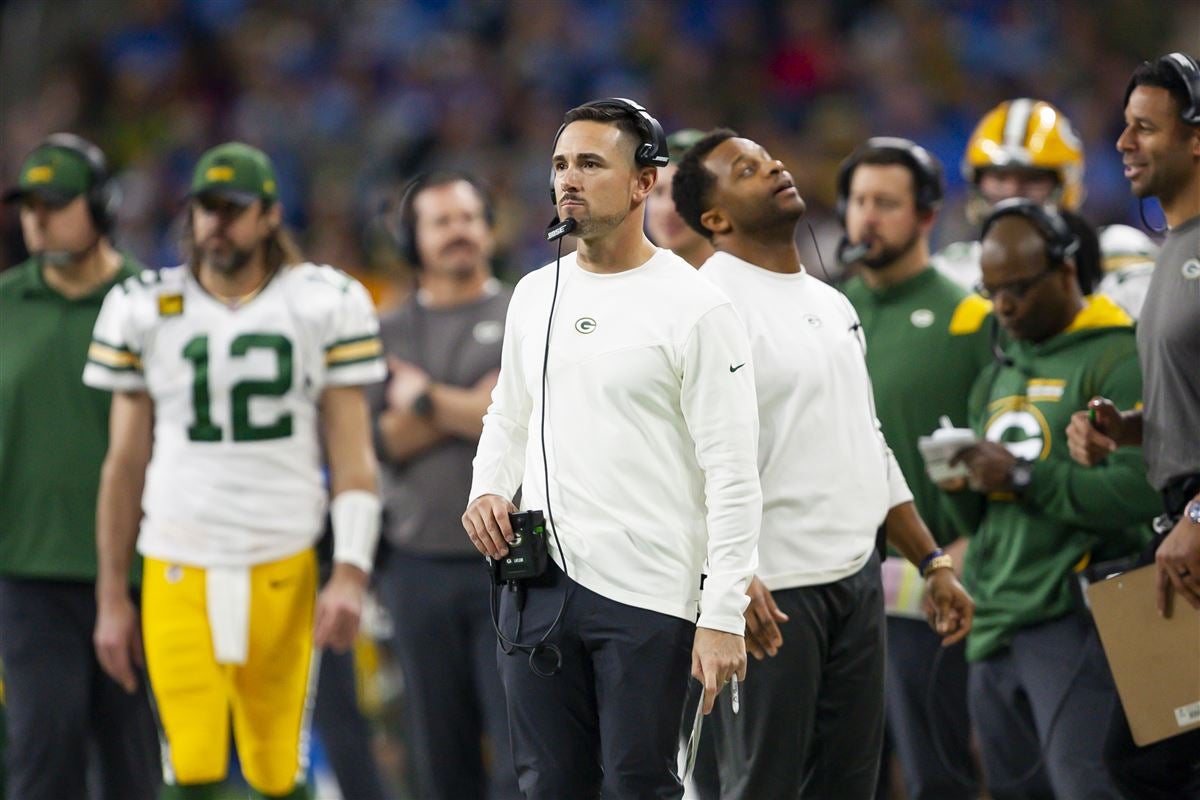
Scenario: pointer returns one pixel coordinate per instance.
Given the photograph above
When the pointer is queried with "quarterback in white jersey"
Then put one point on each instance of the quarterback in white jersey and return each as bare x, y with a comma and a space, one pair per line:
235, 476
223, 371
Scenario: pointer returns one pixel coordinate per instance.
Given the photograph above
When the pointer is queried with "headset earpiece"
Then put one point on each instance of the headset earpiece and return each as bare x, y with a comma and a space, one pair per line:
652, 150
1061, 241
929, 181
405, 230
103, 198
1188, 71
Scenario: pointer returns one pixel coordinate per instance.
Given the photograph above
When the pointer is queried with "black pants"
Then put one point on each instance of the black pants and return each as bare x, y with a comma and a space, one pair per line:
343, 730
913, 690
608, 722
1039, 708
61, 704
453, 698
1168, 769
812, 718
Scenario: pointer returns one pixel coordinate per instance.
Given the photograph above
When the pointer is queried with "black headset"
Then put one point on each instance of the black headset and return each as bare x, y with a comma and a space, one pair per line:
1185, 67
928, 177
102, 196
1061, 241
652, 149
406, 225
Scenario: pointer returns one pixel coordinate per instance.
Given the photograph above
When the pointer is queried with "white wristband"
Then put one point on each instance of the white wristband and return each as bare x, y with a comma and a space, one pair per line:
356, 517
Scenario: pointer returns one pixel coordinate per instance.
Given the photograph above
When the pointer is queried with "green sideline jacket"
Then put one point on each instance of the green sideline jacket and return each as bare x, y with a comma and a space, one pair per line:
1023, 557
53, 429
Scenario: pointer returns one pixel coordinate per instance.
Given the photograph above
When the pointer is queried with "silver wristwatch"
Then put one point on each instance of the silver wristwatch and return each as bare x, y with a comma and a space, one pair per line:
1020, 475
1192, 511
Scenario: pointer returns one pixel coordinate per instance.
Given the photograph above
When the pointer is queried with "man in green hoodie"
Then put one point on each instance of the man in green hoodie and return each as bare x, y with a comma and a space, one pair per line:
1040, 690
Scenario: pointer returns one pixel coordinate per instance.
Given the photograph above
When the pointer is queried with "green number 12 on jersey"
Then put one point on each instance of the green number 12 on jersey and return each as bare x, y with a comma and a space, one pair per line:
203, 429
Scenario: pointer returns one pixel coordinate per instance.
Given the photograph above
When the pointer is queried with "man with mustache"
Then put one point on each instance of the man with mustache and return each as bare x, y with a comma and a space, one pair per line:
811, 723
926, 343
228, 373
443, 348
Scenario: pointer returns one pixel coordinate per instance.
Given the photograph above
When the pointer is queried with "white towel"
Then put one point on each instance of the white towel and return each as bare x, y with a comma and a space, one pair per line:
229, 612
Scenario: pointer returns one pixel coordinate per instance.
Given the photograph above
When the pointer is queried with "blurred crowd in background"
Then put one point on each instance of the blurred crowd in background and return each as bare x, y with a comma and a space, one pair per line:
351, 98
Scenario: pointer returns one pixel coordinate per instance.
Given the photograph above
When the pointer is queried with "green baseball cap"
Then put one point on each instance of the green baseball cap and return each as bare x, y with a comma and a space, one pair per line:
53, 174
679, 142
235, 172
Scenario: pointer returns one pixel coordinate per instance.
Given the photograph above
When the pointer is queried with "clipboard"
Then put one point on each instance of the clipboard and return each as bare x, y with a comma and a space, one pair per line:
1155, 662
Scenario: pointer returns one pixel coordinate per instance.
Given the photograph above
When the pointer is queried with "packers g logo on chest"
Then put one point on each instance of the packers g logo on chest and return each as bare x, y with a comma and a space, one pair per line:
585, 324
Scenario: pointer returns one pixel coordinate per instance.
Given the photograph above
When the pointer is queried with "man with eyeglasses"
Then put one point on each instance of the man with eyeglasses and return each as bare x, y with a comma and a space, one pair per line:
1040, 693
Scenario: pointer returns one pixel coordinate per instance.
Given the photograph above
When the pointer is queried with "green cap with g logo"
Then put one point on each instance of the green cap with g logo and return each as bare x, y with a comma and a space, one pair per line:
235, 172
53, 174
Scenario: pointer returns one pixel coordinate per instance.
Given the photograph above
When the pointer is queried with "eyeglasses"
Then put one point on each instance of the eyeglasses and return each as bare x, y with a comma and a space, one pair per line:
1015, 289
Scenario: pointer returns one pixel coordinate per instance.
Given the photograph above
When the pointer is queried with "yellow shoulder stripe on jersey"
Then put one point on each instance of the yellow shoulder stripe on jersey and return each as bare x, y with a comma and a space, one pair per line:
1114, 263
1099, 312
113, 357
969, 315
352, 351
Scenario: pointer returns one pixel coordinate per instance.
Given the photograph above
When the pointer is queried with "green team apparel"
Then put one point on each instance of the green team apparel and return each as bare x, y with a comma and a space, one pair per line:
1022, 560
53, 430
926, 344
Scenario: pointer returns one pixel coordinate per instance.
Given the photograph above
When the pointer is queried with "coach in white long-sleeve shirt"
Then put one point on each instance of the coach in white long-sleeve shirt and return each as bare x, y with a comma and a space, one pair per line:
651, 431
828, 479
812, 717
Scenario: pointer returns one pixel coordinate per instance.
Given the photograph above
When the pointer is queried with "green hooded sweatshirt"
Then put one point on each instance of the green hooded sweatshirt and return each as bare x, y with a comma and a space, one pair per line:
1026, 550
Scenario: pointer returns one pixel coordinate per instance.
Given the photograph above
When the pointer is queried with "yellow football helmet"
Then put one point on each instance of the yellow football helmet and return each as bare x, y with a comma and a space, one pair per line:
1027, 133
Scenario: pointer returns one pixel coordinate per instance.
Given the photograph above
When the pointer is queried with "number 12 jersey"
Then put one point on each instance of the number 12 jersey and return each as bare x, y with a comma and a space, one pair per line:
235, 474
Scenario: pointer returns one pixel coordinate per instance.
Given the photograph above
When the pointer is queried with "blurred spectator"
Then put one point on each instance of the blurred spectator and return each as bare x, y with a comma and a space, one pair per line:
348, 95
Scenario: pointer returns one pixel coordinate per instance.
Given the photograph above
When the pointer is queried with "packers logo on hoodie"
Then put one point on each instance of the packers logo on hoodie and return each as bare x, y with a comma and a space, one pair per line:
1020, 426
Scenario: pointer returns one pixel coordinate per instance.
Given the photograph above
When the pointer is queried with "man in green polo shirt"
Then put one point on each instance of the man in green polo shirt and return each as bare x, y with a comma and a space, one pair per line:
925, 346
53, 436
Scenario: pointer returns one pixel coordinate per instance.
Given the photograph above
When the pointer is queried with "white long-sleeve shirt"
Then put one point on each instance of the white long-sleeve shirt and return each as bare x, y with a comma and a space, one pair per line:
828, 476
651, 435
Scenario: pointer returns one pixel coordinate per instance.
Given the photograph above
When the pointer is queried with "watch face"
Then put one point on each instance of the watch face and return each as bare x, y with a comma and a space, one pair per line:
423, 405
1192, 511
1022, 474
